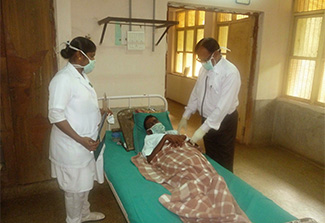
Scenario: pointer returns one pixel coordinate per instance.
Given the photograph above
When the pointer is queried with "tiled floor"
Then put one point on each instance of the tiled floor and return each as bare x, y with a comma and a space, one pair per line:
47, 205
289, 180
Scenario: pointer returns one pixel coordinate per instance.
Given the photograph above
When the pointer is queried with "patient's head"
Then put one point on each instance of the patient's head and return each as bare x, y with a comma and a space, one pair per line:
153, 125
149, 121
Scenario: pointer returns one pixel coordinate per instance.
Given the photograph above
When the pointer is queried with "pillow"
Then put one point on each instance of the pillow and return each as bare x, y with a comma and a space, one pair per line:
139, 132
125, 119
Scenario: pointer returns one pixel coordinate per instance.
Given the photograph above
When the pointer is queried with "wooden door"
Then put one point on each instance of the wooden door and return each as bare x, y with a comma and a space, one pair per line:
242, 42
28, 62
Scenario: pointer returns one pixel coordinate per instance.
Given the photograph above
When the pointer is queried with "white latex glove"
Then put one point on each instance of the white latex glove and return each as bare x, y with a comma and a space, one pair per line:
198, 134
182, 124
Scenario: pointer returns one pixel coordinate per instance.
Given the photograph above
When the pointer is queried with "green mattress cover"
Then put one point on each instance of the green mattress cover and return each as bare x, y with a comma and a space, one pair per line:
140, 197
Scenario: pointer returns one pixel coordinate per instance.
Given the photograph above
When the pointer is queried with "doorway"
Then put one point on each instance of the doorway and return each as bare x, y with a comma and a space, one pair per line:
238, 33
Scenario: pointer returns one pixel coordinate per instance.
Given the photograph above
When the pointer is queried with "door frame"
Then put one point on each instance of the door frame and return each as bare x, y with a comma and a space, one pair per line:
244, 135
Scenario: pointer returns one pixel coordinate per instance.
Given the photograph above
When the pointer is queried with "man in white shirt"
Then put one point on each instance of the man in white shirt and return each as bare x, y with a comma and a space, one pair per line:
215, 96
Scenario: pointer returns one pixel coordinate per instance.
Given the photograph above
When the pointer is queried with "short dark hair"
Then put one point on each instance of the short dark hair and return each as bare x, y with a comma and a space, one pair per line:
145, 120
81, 43
208, 43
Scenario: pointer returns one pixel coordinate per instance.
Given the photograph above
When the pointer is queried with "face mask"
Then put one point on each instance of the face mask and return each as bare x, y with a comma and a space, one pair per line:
208, 65
89, 67
158, 128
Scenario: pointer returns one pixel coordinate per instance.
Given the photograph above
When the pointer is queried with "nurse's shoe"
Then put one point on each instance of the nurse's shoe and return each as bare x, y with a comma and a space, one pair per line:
93, 216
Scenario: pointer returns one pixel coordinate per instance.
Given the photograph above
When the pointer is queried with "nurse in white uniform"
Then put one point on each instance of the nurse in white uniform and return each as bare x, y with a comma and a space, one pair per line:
75, 115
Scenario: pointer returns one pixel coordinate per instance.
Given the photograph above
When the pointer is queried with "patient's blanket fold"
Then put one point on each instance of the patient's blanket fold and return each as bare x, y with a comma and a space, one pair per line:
198, 192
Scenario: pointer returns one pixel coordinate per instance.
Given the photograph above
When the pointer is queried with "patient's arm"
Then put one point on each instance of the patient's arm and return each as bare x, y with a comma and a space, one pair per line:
173, 140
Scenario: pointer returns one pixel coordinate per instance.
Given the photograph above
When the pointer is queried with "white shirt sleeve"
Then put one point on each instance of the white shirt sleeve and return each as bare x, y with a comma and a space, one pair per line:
150, 143
59, 95
59, 92
56, 115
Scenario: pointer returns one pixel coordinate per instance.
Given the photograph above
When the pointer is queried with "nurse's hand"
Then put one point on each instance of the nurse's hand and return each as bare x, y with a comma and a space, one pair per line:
89, 143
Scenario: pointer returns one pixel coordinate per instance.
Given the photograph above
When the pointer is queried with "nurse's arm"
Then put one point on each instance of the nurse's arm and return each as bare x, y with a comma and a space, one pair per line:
87, 142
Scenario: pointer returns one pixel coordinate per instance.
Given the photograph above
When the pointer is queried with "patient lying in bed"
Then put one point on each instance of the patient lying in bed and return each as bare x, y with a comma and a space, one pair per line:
198, 192
157, 137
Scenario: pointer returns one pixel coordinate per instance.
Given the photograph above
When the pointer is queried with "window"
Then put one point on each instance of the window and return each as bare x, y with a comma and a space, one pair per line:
306, 65
188, 32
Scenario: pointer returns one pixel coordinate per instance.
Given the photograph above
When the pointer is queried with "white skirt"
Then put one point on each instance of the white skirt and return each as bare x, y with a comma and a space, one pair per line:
76, 180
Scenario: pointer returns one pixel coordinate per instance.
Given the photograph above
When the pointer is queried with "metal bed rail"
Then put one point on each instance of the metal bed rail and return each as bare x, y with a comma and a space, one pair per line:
108, 99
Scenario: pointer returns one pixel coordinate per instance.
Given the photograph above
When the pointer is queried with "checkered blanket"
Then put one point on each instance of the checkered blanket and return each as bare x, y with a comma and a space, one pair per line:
198, 192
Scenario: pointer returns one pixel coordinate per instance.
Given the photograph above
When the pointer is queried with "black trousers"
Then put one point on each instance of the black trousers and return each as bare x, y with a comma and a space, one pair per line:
220, 144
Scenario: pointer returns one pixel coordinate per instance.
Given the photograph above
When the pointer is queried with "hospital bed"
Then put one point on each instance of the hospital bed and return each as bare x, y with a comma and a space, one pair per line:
138, 198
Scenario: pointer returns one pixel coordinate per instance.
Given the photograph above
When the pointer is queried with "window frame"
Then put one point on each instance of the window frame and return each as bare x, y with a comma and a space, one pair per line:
186, 28
319, 59
195, 29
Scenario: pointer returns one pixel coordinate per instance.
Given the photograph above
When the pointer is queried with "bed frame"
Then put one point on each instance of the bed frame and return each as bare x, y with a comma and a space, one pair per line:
127, 184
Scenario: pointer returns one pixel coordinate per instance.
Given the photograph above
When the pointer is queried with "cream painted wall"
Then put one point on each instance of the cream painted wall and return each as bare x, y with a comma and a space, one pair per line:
274, 45
62, 9
121, 72
118, 71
